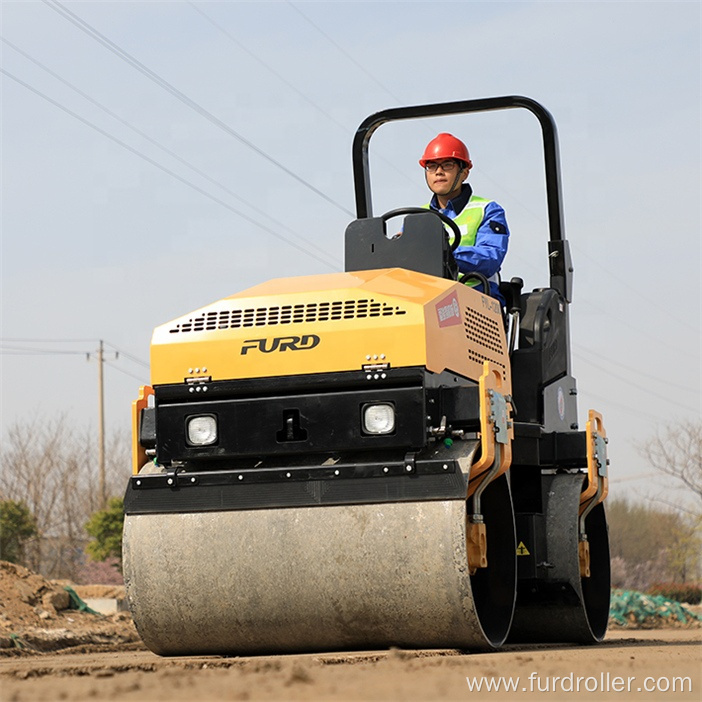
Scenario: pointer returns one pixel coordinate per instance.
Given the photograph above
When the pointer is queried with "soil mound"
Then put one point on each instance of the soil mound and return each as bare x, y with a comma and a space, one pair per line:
37, 615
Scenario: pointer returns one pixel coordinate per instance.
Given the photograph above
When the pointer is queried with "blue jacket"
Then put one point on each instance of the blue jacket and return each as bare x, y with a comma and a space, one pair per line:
491, 240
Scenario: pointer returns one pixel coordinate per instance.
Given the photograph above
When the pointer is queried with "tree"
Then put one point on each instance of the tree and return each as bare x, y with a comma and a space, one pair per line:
17, 526
676, 451
52, 468
105, 526
651, 544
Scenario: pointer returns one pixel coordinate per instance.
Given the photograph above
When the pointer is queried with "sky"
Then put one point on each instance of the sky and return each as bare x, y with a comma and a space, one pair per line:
158, 156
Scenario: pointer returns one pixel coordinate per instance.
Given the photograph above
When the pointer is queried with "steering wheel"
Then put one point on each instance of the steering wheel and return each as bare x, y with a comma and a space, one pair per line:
476, 276
421, 210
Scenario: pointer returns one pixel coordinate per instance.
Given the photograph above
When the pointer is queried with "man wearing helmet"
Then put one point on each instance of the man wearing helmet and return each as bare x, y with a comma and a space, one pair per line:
484, 233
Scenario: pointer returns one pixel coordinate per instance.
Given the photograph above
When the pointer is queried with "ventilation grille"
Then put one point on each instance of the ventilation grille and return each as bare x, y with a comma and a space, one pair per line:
486, 333
479, 358
286, 314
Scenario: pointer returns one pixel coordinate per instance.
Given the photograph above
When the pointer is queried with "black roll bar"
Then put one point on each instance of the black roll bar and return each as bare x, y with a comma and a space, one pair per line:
361, 172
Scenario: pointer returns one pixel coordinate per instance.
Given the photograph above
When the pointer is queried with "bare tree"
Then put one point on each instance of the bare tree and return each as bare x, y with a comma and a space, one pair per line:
676, 451
53, 469
651, 544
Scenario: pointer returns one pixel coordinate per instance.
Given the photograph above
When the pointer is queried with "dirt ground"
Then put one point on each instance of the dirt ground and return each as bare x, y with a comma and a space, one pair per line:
48, 653
666, 661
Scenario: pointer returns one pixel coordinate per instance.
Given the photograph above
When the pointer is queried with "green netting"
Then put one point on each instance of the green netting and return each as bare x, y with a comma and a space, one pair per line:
77, 603
631, 608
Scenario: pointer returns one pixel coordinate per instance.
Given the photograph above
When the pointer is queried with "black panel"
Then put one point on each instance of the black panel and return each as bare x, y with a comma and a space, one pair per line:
147, 428
319, 383
531, 546
542, 356
564, 449
307, 486
423, 246
321, 423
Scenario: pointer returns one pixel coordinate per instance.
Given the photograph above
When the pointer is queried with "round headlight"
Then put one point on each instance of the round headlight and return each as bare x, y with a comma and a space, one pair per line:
379, 419
202, 430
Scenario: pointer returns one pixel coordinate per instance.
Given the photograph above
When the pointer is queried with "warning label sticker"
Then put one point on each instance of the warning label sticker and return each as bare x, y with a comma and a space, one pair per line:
522, 550
448, 311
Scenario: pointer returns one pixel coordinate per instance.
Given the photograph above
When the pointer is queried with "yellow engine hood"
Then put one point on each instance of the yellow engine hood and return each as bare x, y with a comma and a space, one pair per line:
324, 323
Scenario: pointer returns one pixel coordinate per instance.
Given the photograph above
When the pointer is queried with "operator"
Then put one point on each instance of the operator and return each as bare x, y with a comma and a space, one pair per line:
446, 163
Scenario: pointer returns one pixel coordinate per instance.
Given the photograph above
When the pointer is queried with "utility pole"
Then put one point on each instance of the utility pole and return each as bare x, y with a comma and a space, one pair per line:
102, 483
101, 427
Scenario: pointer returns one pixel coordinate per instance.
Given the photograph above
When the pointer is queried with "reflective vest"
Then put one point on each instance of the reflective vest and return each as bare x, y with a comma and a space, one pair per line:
468, 221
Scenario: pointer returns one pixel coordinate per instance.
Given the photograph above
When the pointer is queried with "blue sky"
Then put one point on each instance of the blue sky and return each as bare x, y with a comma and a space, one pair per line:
98, 242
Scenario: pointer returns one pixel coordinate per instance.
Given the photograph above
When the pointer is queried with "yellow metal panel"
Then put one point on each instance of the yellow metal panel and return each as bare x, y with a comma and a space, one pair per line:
464, 329
138, 405
333, 323
293, 326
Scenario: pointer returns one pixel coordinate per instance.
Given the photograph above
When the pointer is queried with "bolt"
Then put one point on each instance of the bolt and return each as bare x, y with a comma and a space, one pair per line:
382, 356
376, 376
336, 472
197, 370
241, 477
369, 377
368, 358
204, 370
190, 370
574, 425
386, 469
408, 468
192, 389
383, 376
445, 466
288, 475
138, 482
375, 357
170, 481
204, 389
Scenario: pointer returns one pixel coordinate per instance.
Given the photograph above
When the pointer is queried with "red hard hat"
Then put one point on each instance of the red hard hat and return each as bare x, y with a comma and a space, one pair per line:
445, 146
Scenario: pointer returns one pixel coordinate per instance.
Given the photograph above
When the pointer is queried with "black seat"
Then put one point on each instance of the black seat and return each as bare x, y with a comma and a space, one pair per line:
423, 246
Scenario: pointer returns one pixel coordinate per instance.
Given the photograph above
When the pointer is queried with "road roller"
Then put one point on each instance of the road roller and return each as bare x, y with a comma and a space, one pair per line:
379, 457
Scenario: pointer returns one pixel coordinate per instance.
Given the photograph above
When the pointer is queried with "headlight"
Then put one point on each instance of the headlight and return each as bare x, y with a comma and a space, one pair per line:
202, 430
379, 419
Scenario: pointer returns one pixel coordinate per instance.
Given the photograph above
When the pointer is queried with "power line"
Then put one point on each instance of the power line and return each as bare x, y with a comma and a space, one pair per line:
166, 170
154, 77
639, 387
663, 381
162, 147
47, 341
131, 375
286, 82
120, 352
644, 333
609, 401
28, 351
268, 67
637, 291
345, 53
128, 355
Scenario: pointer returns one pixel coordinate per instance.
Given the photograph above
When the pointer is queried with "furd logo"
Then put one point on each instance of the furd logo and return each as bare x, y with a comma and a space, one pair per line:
448, 311
281, 343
